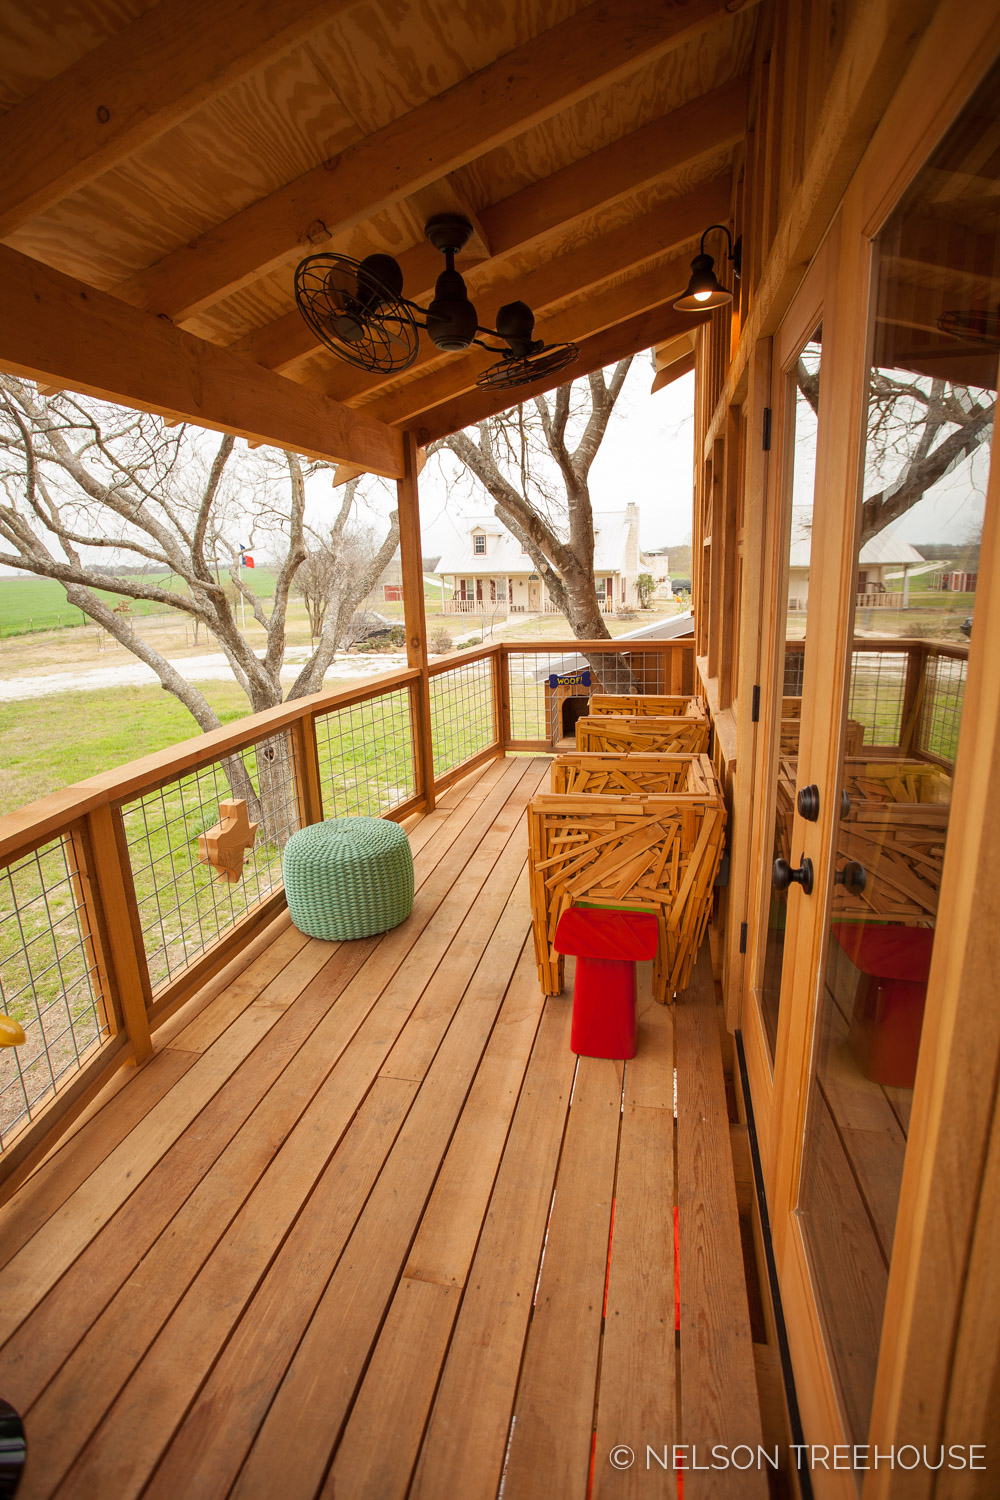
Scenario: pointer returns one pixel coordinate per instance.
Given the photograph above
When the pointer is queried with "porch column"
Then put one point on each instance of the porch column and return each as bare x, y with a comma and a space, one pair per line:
413, 616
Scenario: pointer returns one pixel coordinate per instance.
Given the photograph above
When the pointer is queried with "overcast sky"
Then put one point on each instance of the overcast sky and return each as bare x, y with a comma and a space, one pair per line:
646, 457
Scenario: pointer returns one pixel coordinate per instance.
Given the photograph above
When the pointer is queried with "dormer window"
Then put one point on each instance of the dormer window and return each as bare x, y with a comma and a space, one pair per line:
479, 545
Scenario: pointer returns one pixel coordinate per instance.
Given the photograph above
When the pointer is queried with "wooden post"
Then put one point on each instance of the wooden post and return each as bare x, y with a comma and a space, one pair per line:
913, 699
307, 780
117, 903
413, 615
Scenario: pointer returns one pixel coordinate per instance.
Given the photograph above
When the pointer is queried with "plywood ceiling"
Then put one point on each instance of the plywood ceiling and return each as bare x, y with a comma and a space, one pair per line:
589, 143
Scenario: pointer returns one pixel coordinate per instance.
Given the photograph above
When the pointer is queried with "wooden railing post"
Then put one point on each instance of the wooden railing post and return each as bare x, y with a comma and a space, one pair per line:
118, 919
503, 668
496, 684
308, 784
414, 616
911, 713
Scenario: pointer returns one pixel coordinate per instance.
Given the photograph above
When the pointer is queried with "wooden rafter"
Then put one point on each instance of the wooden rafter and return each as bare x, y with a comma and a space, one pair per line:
660, 284
572, 60
56, 329
696, 132
649, 237
137, 84
596, 353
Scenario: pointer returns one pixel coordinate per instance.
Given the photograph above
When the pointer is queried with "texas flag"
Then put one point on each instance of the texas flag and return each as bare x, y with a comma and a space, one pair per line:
245, 559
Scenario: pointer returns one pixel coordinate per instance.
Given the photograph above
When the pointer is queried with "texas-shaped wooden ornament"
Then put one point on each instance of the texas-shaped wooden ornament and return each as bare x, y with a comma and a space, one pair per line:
225, 846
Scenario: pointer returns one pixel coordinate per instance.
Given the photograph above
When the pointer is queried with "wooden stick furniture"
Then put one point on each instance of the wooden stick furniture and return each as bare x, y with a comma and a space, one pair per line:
657, 705
632, 775
634, 853
895, 827
623, 734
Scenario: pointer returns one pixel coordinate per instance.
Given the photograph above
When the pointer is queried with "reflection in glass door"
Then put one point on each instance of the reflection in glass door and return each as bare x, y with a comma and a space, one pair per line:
802, 405
932, 388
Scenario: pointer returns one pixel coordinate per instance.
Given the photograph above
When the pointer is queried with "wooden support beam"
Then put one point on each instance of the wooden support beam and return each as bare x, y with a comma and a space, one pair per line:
707, 127
660, 284
649, 238
138, 83
411, 557
591, 50
596, 353
55, 329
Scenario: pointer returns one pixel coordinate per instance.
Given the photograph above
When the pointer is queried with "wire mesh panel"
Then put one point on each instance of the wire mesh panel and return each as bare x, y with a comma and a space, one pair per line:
542, 682
462, 719
944, 692
366, 756
878, 683
185, 905
50, 980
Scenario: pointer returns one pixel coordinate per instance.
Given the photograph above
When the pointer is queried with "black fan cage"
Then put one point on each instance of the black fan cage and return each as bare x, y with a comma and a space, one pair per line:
355, 314
508, 373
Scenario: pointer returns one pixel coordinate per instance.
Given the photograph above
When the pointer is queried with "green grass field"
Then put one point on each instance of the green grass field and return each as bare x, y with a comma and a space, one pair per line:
30, 604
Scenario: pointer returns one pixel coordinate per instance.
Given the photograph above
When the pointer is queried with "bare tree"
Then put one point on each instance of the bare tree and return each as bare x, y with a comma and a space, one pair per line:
919, 430
554, 523
82, 479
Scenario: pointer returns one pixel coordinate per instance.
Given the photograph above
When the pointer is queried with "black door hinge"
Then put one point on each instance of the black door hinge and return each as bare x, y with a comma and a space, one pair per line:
743, 937
755, 704
766, 434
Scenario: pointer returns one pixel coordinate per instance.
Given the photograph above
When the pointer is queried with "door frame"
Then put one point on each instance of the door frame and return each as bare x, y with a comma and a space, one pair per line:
805, 313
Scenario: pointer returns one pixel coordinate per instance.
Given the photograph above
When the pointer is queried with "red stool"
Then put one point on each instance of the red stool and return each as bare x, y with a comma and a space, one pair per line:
606, 945
884, 1035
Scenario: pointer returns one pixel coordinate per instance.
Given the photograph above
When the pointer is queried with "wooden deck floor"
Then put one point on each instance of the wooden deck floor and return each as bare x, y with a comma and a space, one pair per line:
348, 1232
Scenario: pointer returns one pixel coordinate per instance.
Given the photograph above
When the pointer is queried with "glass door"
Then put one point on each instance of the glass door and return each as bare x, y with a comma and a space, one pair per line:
931, 392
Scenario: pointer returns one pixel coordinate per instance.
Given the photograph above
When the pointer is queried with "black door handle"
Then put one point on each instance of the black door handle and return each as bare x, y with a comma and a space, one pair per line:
853, 877
783, 875
807, 802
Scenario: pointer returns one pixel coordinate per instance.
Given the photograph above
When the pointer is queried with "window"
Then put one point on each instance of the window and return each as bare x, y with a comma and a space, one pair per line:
479, 545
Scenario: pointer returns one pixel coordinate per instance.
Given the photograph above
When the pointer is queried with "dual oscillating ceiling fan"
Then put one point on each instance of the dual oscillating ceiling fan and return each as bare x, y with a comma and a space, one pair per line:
357, 309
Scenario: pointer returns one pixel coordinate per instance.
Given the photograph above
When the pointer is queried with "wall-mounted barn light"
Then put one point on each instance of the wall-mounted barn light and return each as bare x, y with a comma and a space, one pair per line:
357, 309
705, 290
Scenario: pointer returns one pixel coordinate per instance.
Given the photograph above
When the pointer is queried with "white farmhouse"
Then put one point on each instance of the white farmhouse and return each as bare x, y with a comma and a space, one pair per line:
489, 571
884, 566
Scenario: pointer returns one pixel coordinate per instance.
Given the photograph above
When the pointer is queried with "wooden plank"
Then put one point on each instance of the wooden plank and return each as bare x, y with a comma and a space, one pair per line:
638, 1390
703, 128
257, 1357
138, 83
562, 65
354, 1303
58, 1178
36, 1268
718, 1390
54, 326
550, 1443
383, 1436
463, 1449
194, 1180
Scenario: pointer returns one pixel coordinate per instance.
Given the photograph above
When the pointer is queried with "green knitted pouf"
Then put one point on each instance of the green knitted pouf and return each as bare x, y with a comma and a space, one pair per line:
348, 878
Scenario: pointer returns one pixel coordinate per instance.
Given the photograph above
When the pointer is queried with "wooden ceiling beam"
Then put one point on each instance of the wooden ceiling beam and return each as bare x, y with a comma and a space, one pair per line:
138, 83
695, 132
650, 237
596, 353
660, 284
60, 331
591, 50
